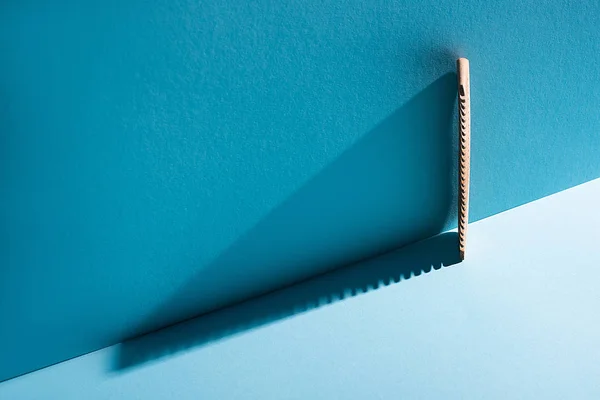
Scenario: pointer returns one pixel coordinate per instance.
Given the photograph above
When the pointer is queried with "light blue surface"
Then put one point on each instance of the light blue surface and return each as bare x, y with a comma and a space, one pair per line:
158, 160
517, 320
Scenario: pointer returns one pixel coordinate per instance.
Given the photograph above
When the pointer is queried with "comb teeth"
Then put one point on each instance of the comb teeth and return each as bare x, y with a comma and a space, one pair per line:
464, 132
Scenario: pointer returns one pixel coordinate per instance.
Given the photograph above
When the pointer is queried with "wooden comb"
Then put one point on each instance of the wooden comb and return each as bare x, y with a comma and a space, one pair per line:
464, 152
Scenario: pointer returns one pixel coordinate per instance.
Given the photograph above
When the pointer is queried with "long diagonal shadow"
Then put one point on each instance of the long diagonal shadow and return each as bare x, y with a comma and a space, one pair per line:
391, 188
405, 263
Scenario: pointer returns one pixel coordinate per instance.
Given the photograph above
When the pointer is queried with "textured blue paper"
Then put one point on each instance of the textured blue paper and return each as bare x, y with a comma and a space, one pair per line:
158, 160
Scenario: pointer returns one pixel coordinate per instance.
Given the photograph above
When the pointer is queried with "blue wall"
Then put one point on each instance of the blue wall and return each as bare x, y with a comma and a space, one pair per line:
160, 160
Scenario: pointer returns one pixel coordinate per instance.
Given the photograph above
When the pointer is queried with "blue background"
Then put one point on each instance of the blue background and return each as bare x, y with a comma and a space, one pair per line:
161, 160
518, 319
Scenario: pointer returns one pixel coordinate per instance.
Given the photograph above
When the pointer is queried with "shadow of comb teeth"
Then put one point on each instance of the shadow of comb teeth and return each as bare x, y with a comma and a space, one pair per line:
410, 261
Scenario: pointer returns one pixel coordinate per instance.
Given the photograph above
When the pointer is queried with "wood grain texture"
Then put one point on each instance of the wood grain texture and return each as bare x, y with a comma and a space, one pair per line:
464, 159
